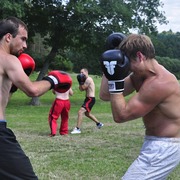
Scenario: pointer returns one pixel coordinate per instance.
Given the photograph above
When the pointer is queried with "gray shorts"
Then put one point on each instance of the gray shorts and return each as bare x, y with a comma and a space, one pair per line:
158, 157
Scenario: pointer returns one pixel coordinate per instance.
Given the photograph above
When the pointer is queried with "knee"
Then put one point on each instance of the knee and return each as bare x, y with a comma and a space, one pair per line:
80, 112
87, 114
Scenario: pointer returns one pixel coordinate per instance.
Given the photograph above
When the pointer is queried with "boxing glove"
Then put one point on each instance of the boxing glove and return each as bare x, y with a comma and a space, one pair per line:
115, 66
60, 81
81, 79
113, 40
28, 64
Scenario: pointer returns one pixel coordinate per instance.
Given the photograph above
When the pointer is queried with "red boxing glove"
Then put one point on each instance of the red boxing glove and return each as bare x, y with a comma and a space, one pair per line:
60, 81
27, 63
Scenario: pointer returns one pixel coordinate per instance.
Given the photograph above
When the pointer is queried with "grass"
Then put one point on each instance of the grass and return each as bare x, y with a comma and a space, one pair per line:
95, 154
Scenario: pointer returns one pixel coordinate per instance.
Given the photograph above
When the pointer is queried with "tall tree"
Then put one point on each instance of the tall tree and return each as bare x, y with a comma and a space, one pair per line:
83, 25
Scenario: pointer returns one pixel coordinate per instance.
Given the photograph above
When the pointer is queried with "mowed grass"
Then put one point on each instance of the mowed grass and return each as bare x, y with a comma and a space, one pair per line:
95, 154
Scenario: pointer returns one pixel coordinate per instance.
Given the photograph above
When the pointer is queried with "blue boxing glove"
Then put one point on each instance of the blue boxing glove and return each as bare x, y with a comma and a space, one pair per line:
113, 40
115, 66
81, 79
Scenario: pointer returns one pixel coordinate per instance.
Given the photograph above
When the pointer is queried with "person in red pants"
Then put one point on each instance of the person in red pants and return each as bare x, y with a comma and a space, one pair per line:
60, 107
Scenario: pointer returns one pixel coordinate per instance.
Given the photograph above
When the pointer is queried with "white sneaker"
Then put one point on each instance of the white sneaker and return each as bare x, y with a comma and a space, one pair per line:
76, 131
100, 125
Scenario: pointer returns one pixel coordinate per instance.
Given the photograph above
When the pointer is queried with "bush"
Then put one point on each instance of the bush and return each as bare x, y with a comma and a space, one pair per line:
172, 65
62, 64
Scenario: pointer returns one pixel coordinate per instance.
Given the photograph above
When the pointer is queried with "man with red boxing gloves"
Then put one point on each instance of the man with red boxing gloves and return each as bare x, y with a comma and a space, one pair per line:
86, 84
157, 101
14, 164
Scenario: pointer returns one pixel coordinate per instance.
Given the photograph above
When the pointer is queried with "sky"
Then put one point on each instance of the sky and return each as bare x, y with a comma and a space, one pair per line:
172, 14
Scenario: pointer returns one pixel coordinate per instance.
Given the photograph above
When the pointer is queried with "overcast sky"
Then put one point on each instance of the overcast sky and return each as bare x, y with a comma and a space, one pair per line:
172, 13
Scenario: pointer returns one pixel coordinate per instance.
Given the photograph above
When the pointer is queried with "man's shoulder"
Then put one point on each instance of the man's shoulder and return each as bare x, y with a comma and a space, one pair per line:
89, 79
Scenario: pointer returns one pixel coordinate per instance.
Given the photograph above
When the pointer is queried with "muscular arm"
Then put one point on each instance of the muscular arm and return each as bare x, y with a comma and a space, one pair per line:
71, 92
18, 77
139, 105
104, 91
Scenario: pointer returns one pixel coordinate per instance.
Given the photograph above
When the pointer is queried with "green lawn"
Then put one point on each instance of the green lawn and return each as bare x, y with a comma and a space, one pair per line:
93, 155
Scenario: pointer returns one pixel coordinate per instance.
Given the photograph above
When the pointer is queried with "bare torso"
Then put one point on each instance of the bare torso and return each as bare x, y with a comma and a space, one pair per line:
89, 87
164, 119
5, 85
64, 96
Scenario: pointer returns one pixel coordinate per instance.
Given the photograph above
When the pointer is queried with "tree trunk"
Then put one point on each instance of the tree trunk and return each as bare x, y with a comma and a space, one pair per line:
50, 57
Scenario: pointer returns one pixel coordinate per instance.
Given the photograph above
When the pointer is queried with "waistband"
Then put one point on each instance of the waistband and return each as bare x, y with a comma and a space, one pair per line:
164, 139
2, 121
3, 124
62, 99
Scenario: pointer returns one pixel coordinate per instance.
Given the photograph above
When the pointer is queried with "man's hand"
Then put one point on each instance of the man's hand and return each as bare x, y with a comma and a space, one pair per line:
115, 66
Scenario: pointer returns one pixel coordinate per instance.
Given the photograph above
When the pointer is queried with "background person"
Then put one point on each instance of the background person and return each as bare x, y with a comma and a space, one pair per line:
157, 101
14, 164
60, 107
86, 84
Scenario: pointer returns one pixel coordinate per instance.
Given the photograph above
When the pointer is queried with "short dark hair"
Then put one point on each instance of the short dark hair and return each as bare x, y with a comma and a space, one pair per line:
11, 25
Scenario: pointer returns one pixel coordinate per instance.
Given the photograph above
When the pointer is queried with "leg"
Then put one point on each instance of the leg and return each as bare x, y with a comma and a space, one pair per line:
14, 163
54, 115
77, 130
157, 159
64, 118
91, 116
80, 116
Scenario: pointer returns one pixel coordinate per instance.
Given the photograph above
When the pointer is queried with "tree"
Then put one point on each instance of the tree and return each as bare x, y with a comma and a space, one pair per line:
167, 44
81, 26
11, 8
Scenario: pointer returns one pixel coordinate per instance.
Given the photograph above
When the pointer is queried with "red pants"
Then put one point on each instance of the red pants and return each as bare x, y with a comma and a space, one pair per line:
59, 107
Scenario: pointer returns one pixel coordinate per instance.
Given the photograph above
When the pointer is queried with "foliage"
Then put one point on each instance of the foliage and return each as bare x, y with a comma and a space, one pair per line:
62, 64
173, 65
11, 8
167, 44
82, 26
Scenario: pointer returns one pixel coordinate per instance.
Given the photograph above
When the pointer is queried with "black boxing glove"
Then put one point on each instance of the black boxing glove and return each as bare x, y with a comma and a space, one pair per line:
60, 81
113, 40
115, 66
81, 78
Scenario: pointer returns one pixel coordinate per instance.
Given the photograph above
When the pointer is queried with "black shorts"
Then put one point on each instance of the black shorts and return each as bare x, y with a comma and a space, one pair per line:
14, 164
89, 103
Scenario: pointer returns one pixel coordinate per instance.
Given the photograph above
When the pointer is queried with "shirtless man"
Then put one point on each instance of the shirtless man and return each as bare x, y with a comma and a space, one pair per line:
14, 164
157, 101
86, 83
